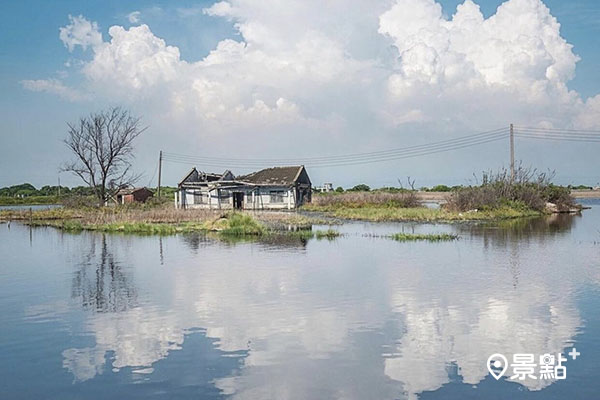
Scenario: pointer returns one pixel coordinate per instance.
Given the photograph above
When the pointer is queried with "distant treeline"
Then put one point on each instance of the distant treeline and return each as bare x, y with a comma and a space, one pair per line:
26, 194
437, 188
28, 190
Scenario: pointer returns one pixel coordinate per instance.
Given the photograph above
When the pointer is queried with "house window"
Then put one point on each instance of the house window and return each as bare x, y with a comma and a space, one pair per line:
224, 196
277, 196
249, 196
198, 198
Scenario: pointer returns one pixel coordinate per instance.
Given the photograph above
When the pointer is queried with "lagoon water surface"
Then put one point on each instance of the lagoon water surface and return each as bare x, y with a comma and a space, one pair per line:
96, 316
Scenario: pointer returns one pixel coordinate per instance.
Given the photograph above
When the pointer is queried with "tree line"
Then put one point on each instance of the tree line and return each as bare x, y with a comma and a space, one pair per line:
28, 190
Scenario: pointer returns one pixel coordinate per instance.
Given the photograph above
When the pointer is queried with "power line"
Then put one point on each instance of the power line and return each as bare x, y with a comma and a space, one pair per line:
576, 135
559, 130
555, 134
408, 152
381, 152
567, 139
349, 159
571, 135
153, 175
559, 135
424, 151
416, 154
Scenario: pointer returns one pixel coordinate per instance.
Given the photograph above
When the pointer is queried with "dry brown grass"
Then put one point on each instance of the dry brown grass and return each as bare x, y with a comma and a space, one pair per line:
406, 199
153, 215
165, 214
110, 215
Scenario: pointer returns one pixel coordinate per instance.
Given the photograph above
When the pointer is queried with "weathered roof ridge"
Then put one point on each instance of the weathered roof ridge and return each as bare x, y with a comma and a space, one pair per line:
132, 190
282, 175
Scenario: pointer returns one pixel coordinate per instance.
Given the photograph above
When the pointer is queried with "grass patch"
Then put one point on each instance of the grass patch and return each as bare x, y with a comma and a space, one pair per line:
49, 214
233, 224
236, 224
423, 214
142, 228
430, 237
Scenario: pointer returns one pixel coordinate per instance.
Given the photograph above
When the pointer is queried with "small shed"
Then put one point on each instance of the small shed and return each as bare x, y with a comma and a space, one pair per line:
132, 195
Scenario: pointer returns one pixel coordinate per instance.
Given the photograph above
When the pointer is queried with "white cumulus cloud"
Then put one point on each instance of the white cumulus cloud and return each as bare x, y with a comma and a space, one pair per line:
335, 70
519, 45
517, 52
80, 32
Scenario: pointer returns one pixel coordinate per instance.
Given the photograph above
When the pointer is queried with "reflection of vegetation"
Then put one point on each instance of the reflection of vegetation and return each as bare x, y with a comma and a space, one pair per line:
195, 240
329, 234
531, 226
271, 238
503, 232
288, 240
105, 288
430, 237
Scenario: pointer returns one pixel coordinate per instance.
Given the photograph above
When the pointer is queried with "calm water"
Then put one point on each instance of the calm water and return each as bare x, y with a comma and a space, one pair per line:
92, 316
34, 207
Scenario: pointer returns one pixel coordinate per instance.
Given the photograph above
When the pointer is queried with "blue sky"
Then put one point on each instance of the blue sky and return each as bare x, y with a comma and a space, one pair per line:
32, 123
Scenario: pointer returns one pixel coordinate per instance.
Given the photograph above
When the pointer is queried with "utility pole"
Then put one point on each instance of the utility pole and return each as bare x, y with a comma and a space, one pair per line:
512, 154
159, 171
59, 185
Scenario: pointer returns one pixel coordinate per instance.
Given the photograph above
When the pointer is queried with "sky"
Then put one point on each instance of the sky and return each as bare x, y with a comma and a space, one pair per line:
300, 79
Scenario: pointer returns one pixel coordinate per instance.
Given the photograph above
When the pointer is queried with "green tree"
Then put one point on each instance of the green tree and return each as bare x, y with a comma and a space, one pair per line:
360, 188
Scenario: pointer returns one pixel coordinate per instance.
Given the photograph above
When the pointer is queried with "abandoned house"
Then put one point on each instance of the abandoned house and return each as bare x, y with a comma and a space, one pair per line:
131, 195
272, 188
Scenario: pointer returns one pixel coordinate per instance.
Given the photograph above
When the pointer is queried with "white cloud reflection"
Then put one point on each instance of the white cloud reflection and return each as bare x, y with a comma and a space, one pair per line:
301, 318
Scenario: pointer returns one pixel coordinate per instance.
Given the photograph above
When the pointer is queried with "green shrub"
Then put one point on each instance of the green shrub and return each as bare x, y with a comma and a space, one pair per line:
529, 190
440, 188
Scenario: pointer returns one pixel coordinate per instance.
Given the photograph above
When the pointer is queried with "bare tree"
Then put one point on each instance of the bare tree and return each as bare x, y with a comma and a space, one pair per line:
411, 183
103, 147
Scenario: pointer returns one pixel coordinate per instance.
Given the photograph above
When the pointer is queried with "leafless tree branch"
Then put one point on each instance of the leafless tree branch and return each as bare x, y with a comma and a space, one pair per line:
102, 144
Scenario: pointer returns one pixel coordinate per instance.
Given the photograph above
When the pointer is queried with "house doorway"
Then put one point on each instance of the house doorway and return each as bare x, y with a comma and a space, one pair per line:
238, 200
